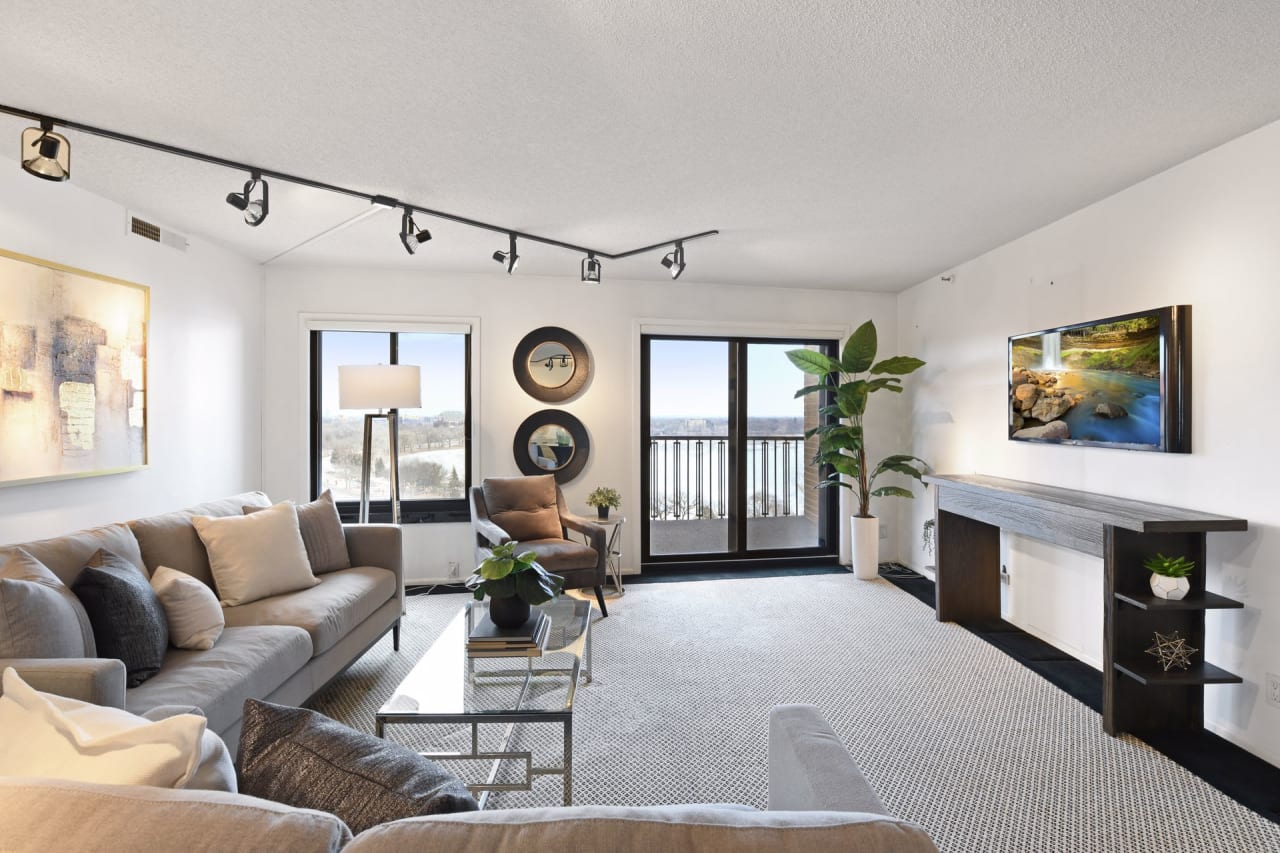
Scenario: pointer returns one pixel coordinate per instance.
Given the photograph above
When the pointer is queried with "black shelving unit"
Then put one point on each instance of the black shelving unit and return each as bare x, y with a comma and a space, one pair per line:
1139, 695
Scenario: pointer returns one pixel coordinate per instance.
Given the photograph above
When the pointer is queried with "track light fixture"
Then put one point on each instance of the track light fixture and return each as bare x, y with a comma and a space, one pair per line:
674, 260
509, 257
46, 154
255, 210
410, 235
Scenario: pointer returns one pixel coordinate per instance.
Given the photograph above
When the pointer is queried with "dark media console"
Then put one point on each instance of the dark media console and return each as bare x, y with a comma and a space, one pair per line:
1137, 694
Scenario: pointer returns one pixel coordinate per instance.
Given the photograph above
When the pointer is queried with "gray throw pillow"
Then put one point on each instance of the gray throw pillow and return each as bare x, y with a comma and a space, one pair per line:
304, 759
322, 536
39, 617
128, 619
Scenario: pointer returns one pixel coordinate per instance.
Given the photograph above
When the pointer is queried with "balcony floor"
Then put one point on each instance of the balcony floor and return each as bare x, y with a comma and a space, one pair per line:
710, 536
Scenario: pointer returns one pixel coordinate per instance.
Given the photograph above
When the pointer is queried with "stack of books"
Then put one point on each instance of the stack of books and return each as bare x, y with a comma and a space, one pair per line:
487, 640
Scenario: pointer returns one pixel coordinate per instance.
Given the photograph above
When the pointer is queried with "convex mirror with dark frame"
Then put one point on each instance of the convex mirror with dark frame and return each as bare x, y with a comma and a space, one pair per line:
552, 442
551, 364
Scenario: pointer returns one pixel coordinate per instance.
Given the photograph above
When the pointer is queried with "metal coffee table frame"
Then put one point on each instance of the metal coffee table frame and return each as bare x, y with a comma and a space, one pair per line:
576, 623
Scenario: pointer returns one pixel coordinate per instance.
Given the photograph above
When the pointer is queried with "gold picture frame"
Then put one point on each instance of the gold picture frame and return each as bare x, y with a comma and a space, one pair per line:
73, 372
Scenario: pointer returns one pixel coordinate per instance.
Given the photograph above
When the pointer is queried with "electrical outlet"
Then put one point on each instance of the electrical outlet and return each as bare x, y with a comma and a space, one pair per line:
1273, 689
884, 530
1005, 577
454, 568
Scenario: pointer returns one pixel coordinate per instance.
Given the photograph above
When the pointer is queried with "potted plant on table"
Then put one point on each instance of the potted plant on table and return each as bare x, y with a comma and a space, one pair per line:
602, 498
513, 583
850, 381
1169, 576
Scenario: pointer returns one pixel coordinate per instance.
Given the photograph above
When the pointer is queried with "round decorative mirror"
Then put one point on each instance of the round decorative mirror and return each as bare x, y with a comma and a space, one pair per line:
551, 364
552, 442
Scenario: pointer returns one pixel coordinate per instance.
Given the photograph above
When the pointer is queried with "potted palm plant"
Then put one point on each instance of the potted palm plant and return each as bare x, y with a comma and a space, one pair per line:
850, 381
513, 582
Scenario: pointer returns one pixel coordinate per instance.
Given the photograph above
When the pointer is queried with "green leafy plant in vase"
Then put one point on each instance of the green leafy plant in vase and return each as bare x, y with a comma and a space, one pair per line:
513, 582
1169, 576
603, 498
850, 381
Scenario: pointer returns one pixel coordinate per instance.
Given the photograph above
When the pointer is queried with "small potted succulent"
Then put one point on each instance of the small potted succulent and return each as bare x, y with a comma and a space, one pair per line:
1169, 576
513, 582
602, 498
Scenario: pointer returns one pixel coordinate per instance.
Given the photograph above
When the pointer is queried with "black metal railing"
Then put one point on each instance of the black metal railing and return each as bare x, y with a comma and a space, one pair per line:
689, 476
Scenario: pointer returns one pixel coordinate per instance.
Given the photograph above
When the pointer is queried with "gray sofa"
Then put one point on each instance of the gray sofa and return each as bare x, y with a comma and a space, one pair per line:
819, 802
281, 649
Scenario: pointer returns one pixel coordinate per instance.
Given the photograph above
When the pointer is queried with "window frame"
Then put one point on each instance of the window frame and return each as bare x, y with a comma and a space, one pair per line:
413, 511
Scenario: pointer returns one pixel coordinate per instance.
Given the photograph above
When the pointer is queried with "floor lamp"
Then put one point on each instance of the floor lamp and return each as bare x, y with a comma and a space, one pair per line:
380, 386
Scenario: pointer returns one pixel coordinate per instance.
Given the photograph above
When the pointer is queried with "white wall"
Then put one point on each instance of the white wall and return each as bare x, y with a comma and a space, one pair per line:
607, 318
1205, 233
205, 354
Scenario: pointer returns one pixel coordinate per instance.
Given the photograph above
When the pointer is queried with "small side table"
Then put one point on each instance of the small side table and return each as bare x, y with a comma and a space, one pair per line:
613, 560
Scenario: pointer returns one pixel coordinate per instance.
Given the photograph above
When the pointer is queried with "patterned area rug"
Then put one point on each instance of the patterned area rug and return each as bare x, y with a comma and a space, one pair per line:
953, 734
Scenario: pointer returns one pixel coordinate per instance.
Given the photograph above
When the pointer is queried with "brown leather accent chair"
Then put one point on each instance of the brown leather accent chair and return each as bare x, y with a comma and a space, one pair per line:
531, 511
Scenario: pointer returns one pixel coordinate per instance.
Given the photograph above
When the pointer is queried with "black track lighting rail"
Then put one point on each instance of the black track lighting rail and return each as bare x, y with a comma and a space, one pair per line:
373, 198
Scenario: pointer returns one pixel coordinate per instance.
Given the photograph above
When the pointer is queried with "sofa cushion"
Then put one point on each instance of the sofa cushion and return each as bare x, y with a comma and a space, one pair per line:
524, 507
191, 609
321, 529
48, 735
171, 540
128, 620
245, 663
39, 616
328, 611
305, 759
48, 814
257, 555
641, 829
67, 555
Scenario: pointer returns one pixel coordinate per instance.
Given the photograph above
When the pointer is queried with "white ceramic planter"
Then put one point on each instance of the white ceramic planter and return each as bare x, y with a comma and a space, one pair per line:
1171, 588
866, 547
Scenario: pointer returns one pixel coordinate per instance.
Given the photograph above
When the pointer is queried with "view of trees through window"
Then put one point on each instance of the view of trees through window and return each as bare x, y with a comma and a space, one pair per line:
433, 446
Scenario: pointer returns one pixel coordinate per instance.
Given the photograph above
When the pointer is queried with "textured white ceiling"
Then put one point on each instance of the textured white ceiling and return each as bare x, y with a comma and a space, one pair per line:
862, 145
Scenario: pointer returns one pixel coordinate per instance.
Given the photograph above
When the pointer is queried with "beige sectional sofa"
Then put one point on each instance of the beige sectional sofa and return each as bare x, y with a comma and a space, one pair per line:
819, 802
281, 649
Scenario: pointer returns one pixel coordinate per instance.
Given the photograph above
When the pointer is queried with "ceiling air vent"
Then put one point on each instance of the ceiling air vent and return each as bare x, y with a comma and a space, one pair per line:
153, 232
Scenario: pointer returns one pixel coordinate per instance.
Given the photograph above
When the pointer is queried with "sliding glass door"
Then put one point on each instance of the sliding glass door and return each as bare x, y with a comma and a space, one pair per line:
725, 463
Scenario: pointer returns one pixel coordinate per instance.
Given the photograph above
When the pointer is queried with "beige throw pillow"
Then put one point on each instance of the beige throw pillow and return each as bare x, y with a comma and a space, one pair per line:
192, 610
321, 528
60, 738
255, 556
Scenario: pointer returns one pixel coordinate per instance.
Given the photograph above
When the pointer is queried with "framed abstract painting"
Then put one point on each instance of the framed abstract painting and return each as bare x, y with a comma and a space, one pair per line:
73, 372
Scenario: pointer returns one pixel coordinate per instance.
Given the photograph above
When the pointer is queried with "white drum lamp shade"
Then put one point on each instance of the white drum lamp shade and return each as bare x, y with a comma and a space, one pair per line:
379, 386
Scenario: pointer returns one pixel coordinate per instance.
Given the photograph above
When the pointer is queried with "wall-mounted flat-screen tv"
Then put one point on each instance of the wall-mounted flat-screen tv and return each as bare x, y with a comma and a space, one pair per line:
1120, 382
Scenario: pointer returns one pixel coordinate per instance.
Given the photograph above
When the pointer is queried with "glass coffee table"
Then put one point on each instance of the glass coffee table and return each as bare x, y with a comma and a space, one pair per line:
448, 687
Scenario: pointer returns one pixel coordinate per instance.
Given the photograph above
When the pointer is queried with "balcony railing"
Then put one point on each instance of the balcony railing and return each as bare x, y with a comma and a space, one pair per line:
689, 476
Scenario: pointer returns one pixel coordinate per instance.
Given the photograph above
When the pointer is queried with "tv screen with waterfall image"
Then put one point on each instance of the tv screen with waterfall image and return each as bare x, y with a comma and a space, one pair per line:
1120, 382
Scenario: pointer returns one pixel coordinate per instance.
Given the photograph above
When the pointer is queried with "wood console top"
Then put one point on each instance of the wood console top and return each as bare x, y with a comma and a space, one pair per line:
1088, 507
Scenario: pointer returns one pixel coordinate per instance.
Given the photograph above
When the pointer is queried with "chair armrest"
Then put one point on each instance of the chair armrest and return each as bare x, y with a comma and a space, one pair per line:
96, 680
809, 768
494, 534
594, 532
379, 545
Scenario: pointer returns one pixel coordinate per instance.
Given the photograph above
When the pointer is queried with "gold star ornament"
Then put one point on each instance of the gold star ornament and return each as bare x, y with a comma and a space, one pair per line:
1172, 650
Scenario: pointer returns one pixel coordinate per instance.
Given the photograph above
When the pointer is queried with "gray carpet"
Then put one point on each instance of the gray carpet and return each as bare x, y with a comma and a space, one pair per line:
954, 735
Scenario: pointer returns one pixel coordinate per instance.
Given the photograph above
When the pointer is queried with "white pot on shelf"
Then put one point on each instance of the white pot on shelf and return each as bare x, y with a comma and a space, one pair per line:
1170, 588
866, 547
